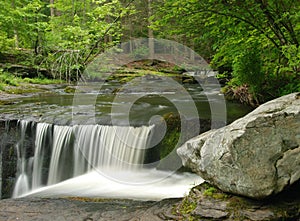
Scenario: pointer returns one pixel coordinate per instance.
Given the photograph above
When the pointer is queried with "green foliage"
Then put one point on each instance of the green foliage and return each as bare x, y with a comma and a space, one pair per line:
63, 40
42, 81
73, 33
2, 86
290, 88
187, 206
227, 32
256, 40
140, 53
247, 69
5, 42
292, 55
194, 198
70, 89
210, 191
171, 138
8, 79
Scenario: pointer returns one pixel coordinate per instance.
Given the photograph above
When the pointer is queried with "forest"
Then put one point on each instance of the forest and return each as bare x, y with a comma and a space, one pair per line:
253, 44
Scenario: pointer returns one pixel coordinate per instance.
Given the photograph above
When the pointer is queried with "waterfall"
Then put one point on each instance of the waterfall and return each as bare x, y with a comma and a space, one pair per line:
63, 152
43, 144
22, 182
109, 146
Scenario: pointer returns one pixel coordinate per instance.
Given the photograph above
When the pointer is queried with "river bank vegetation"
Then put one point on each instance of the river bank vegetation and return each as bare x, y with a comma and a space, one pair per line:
253, 44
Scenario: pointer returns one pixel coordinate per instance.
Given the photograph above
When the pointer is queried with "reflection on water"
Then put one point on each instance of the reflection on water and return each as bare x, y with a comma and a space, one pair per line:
95, 106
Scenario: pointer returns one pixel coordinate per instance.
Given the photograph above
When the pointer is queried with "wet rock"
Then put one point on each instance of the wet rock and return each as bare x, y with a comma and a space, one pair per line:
199, 205
256, 156
8, 157
71, 209
264, 214
209, 213
210, 208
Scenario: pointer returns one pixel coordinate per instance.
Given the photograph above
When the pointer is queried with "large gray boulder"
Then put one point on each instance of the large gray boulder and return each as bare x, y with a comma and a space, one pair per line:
256, 156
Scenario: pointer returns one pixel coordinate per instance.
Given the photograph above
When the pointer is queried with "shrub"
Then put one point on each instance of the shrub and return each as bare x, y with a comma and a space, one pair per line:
247, 69
140, 52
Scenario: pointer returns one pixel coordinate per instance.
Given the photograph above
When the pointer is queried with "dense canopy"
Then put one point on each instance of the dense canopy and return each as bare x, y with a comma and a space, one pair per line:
254, 44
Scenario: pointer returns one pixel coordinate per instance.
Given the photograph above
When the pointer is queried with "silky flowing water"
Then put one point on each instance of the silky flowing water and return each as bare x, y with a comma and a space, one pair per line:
95, 148
95, 161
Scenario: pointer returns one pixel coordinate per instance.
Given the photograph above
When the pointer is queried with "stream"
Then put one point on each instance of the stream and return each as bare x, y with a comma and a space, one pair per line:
74, 134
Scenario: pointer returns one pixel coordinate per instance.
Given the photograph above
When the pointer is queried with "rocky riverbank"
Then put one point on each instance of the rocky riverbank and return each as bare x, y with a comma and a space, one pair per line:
84, 210
204, 202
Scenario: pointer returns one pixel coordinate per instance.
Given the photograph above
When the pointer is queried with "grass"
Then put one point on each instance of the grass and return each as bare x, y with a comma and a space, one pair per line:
2, 86
42, 81
8, 79
9, 82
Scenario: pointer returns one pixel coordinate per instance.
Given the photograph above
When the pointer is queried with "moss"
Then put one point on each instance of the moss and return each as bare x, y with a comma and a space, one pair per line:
6, 102
209, 190
237, 207
186, 79
8, 79
125, 75
185, 208
70, 89
42, 81
169, 143
22, 90
236, 203
171, 138
188, 206
126, 79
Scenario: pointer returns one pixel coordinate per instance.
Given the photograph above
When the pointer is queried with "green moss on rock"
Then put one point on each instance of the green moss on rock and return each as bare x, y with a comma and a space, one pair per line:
171, 138
207, 202
70, 89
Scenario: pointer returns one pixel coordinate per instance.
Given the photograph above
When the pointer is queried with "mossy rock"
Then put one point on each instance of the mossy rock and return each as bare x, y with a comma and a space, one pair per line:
22, 90
163, 153
171, 139
6, 102
207, 202
70, 89
186, 79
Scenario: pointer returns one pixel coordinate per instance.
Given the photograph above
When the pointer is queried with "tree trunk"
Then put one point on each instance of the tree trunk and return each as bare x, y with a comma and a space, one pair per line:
16, 36
150, 32
52, 11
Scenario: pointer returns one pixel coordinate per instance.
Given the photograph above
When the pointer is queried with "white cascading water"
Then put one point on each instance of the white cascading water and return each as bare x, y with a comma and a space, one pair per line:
61, 151
109, 146
95, 160
22, 182
43, 138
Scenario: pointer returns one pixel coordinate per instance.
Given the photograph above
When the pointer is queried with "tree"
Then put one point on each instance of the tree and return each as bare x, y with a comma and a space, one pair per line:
229, 27
150, 31
52, 9
64, 34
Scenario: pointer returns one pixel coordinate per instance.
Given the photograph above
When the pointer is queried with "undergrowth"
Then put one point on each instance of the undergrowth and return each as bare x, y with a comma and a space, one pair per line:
9, 79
